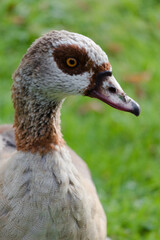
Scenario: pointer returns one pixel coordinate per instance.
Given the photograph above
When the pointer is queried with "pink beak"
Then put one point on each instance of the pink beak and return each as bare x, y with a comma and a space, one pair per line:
108, 90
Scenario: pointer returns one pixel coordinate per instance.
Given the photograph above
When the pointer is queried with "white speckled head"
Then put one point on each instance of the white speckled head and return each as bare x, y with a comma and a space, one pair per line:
60, 64
48, 75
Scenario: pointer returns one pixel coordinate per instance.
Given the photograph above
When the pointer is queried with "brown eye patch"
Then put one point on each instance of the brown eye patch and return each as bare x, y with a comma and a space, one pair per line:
67, 55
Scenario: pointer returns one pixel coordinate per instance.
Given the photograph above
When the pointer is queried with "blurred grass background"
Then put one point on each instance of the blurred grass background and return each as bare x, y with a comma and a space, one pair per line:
121, 150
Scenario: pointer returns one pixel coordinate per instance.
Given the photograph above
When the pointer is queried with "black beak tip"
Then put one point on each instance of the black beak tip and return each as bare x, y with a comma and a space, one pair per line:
136, 109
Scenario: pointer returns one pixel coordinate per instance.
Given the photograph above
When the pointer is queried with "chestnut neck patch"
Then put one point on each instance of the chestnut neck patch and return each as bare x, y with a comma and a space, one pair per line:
37, 127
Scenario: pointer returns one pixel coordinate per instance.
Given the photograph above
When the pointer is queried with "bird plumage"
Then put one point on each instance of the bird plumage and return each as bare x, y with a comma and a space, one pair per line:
46, 191
44, 197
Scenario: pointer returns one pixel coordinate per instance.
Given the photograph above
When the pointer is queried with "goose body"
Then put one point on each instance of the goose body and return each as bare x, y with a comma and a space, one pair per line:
46, 191
49, 197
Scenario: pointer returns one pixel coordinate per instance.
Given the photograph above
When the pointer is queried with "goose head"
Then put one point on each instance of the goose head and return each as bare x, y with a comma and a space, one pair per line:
61, 63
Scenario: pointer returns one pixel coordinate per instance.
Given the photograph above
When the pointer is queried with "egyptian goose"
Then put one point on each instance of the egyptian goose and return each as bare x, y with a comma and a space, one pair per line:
46, 191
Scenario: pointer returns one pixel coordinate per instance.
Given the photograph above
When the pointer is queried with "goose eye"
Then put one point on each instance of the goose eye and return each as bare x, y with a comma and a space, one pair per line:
71, 62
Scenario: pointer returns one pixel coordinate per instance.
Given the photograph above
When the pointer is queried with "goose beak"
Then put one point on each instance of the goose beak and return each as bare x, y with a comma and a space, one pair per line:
108, 90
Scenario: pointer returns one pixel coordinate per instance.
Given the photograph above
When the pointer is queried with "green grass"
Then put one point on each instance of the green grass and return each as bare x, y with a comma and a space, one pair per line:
121, 150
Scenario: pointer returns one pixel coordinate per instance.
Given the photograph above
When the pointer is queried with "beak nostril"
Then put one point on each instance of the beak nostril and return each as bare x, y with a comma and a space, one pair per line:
112, 90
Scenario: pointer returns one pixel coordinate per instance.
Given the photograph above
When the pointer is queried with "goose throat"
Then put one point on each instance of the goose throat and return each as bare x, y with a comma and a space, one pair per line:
37, 125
